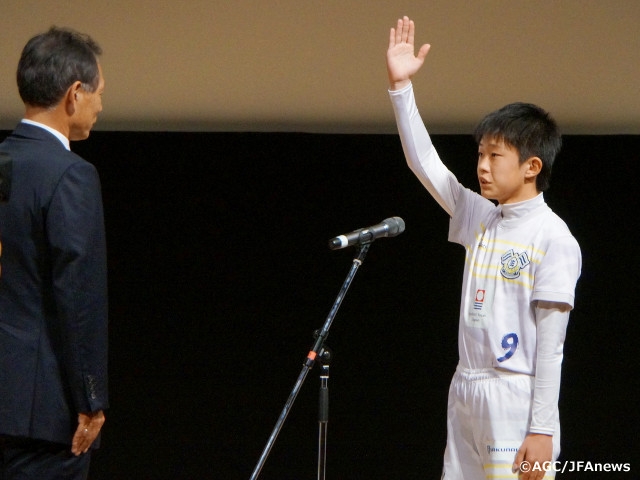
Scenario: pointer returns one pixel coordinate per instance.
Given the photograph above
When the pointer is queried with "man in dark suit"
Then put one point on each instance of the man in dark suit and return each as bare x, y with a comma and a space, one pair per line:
53, 285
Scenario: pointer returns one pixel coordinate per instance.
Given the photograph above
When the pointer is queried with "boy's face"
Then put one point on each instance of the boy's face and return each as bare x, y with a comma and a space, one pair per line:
501, 175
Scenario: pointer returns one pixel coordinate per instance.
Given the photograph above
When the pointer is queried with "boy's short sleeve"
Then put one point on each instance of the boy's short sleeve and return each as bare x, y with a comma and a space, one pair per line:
558, 273
471, 209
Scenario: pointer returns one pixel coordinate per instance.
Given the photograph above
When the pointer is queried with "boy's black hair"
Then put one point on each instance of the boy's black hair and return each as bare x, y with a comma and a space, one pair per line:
530, 130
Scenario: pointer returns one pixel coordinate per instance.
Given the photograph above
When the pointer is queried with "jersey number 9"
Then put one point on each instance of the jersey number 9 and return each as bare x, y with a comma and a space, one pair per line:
510, 344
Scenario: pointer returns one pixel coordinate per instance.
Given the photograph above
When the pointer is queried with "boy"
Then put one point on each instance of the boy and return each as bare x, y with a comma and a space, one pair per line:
521, 268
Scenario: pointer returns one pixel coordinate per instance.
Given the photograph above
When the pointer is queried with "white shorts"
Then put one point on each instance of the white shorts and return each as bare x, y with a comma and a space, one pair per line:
489, 414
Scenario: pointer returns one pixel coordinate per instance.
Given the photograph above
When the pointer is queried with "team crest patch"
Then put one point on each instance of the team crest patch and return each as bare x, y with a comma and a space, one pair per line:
512, 263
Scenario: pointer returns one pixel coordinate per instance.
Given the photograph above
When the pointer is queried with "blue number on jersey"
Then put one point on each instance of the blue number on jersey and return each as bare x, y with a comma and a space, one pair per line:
509, 343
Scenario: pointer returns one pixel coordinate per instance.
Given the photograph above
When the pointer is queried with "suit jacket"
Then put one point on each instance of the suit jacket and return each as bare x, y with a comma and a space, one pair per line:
53, 290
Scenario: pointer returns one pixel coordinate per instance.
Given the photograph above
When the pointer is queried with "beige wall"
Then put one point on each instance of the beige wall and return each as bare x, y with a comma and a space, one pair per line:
298, 65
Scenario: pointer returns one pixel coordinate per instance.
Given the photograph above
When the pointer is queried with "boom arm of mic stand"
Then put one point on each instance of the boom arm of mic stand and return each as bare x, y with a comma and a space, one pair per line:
311, 357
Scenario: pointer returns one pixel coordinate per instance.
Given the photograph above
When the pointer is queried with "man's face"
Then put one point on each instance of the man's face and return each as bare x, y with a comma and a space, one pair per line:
500, 173
88, 105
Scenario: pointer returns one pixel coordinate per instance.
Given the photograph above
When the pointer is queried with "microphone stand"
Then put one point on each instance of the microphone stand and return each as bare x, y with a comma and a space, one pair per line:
310, 360
323, 411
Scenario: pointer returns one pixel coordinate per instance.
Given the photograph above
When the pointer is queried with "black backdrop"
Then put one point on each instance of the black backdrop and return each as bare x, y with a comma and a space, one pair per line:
220, 272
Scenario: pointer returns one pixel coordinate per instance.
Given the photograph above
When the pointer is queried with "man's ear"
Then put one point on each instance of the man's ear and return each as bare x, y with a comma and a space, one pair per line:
534, 167
72, 97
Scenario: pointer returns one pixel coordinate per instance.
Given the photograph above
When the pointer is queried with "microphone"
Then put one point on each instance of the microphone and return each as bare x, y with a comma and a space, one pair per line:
387, 228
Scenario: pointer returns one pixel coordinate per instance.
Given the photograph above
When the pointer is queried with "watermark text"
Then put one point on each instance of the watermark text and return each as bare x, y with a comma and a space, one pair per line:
574, 466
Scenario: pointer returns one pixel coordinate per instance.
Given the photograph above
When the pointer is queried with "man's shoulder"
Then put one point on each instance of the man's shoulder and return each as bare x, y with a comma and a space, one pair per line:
39, 158
32, 142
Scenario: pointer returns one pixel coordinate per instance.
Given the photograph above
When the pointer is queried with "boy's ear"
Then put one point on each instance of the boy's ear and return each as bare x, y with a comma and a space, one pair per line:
534, 167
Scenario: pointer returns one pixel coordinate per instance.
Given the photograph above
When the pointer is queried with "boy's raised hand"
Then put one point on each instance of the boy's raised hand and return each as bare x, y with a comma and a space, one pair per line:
402, 63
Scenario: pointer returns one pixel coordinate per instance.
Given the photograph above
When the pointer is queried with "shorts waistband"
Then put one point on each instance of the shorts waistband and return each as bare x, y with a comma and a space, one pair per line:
478, 374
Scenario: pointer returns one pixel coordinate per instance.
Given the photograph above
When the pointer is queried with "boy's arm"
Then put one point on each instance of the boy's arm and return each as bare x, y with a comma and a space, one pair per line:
551, 327
551, 324
421, 156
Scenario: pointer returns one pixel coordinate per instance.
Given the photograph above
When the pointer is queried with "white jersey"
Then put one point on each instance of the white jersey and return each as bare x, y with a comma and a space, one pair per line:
516, 254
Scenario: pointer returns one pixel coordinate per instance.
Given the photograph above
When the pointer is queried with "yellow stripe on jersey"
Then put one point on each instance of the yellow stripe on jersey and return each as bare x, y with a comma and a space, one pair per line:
499, 470
525, 279
488, 247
